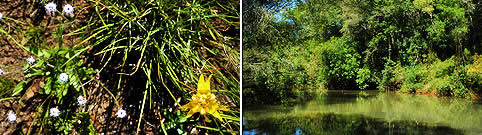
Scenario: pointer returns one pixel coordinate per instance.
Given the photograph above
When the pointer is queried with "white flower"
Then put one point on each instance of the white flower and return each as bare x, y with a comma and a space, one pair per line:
121, 113
31, 60
1, 72
68, 9
51, 8
63, 77
1, 15
11, 117
54, 112
81, 100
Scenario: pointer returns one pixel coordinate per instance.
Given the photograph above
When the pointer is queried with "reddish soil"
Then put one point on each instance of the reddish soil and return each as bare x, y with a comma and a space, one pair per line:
429, 93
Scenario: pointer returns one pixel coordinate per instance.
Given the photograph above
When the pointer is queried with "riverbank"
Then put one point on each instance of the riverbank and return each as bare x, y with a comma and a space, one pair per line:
433, 93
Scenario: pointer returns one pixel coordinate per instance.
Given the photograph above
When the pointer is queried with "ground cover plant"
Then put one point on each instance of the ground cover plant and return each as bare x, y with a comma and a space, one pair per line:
108, 66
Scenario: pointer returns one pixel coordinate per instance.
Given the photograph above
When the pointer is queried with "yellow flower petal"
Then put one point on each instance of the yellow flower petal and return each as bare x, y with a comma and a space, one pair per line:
186, 106
212, 107
190, 113
204, 86
196, 108
216, 114
203, 111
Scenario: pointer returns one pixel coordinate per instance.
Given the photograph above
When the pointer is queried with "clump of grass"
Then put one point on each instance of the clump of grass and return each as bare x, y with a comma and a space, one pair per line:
168, 44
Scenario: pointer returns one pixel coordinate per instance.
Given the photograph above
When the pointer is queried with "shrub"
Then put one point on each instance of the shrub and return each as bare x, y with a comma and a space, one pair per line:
390, 76
342, 61
413, 78
363, 77
473, 78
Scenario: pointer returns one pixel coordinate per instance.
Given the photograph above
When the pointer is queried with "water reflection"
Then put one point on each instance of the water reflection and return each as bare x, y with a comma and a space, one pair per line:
345, 112
250, 132
299, 132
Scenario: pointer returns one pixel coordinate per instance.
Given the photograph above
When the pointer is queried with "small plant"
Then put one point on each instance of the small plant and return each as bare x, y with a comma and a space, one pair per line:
204, 101
59, 69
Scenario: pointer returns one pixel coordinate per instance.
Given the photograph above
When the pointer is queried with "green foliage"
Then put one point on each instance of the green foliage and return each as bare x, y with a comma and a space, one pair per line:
50, 63
405, 45
167, 43
174, 125
442, 85
68, 121
448, 78
278, 74
51, 59
445, 77
259, 24
342, 62
473, 77
6, 85
413, 78
319, 19
363, 77
442, 68
83, 124
390, 76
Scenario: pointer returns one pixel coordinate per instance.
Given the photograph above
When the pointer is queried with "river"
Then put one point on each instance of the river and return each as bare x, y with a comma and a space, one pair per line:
369, 112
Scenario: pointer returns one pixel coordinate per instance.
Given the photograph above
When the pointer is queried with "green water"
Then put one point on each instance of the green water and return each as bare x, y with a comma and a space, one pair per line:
348, 112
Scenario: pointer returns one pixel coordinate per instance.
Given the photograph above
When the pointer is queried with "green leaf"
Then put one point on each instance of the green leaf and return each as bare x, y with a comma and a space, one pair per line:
65, 90
48, 85
62, 52
46, 54
19, 88
38, 72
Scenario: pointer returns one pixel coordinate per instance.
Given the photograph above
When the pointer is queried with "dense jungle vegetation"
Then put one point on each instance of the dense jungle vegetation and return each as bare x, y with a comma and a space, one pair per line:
293, 49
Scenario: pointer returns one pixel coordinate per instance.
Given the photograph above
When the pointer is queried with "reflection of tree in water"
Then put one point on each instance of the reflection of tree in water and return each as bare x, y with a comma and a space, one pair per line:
331, 123
374, 114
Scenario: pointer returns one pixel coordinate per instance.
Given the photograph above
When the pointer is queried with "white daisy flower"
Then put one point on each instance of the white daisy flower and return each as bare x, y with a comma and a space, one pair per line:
81, 100
31, 60
121, 113
11, 117
50, 8
63, 77
1, 72
68, 9
54, 112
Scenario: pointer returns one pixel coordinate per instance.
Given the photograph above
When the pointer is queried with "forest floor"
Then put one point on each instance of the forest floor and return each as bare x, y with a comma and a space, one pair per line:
101, 105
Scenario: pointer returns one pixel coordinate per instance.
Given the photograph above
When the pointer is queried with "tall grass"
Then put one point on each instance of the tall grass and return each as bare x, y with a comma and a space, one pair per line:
170, 43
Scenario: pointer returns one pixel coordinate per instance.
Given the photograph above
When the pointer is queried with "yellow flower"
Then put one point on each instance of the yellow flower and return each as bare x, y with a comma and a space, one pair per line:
204, 87
204, 101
